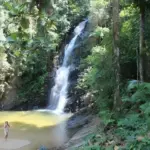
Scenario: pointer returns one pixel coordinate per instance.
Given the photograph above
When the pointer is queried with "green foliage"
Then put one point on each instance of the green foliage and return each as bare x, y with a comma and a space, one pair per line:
98, 73
99, 12
32, 31
139, 92
131, 126
136, 124
138, 145
100, 32
129, 30
130, 121
106, 116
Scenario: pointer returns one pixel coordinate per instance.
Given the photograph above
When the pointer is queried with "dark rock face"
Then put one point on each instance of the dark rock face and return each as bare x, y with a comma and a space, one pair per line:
76, 139
74, 75
27, 105
78, 121
74, 95
82, 49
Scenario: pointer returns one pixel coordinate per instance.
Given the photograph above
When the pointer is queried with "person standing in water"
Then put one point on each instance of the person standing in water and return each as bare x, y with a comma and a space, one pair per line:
6, 129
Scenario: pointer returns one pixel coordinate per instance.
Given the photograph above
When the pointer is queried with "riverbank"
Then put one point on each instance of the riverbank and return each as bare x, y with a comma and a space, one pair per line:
78, 139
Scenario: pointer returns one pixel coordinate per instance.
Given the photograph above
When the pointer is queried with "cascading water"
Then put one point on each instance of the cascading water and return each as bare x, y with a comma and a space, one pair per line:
58, 95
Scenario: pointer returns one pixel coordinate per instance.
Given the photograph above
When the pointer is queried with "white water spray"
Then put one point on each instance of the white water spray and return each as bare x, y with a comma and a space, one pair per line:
58, 95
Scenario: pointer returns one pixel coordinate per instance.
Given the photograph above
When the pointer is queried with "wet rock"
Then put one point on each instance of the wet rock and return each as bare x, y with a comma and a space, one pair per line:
57, 148
35, 107
80, 118
77, 139
78, 121
74, 75
42, 148
87, 98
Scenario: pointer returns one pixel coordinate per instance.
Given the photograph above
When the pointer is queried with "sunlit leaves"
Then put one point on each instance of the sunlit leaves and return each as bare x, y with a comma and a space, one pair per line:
17, 53
129, 11
15, 8
5, 70
98, 11
33, 30
100, 32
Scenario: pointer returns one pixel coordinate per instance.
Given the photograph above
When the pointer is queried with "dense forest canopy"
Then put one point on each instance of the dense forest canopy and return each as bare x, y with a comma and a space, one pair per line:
31, 31
114, 66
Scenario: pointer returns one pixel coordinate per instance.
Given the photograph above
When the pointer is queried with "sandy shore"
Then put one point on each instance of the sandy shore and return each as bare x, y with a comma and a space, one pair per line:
12, 144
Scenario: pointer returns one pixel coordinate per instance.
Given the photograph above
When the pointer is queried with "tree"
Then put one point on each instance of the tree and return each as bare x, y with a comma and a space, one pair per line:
142, 4
116, 52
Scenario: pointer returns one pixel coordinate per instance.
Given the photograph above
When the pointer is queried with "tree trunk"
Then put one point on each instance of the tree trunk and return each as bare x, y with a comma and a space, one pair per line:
117, 100
137, 63
141, 43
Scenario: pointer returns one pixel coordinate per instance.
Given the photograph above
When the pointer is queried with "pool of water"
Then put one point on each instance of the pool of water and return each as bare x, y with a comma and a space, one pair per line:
38, 127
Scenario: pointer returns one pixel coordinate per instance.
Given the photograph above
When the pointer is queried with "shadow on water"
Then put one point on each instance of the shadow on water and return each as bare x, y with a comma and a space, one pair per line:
40, 128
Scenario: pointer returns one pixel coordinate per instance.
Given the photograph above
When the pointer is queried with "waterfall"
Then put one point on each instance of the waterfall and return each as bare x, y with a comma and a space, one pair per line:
58, 95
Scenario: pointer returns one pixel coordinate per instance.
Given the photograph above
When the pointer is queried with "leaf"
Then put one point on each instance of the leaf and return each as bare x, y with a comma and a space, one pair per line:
100, 32
13, 10
8, 6
14, 36
22, 7
17, 53
25, 23
116, 148
130, 121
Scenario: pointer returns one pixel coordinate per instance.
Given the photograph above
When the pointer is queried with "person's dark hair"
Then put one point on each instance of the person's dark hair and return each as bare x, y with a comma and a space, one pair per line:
6, 122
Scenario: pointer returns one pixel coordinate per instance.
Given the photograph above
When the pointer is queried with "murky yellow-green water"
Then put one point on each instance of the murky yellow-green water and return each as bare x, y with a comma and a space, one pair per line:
40, 128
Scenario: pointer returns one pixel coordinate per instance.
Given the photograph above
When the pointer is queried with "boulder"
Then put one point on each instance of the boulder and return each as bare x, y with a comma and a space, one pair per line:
87, 98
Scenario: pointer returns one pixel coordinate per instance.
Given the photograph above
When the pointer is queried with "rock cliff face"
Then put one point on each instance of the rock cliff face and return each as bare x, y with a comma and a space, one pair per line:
77, 140
9, 100
9, 83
